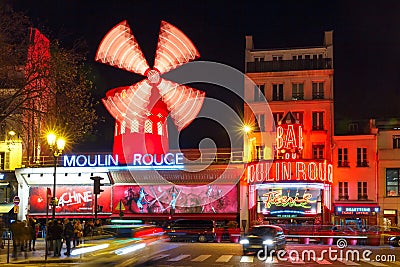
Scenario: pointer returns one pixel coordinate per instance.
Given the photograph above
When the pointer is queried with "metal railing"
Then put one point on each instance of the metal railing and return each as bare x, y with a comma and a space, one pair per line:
289, 65
192, 156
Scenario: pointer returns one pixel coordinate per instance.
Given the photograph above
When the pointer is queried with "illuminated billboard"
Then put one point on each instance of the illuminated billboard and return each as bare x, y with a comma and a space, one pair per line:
183, 199
72, 200
294, 200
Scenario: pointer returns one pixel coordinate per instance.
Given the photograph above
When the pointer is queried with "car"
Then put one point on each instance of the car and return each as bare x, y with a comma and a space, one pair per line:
264, 238
391, 235
191, 230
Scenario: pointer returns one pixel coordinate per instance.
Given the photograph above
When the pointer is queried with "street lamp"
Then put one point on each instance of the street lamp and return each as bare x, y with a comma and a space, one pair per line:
56, 145
247, 146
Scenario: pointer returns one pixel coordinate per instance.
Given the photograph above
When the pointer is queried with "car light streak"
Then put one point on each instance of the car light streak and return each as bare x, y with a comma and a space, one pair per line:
89, 249
129, 249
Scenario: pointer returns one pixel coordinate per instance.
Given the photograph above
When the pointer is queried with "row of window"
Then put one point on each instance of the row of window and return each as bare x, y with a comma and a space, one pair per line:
134, 127
297, 91
317, 119
361, 157
362, 191
294, 57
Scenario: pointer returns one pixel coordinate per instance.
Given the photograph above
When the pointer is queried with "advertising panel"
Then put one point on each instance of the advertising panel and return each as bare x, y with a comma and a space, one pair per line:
182, 199
281, 201
72, 200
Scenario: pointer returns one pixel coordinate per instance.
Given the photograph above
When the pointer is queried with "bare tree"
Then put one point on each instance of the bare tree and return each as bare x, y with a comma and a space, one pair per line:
43, 86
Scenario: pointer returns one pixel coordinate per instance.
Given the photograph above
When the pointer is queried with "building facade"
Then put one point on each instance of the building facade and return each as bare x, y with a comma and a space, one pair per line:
388, 190
355, 193
290, 112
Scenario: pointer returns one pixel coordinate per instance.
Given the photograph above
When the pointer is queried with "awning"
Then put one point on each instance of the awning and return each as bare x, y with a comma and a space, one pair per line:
5, 208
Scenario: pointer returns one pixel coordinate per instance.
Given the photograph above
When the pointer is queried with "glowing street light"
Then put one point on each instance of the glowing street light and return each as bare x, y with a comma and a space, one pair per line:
247, 128
57, 145
247, 146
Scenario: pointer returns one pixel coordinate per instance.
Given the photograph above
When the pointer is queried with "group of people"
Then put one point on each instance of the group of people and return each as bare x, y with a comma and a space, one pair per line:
70, 232
23, 235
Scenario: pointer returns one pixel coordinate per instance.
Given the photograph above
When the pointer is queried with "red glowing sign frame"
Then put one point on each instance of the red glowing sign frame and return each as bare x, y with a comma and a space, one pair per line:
72, 200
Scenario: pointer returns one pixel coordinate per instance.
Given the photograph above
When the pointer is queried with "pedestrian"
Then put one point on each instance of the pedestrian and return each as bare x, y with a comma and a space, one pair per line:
32, 230
68, 235
49, 236
78, 233
97, 229
88, 230
57, 237
14, 232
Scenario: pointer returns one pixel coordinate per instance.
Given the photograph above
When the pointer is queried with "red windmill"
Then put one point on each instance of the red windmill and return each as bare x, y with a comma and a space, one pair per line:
141, 110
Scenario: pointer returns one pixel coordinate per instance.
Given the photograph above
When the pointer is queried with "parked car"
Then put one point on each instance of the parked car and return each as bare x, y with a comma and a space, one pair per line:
191, 230
390, 234
264, 237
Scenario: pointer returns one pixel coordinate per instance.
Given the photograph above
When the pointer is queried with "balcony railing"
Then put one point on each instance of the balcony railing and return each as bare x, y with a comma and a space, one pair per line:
205, 156
362, 163
343, 164
362, 197
343, 197
289, 65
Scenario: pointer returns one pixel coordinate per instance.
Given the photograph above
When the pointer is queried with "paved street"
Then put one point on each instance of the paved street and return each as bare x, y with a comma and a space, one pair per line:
229, 254
195, 254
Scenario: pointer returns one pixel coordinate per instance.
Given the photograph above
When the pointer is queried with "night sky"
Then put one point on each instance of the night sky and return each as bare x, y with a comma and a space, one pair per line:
366, 46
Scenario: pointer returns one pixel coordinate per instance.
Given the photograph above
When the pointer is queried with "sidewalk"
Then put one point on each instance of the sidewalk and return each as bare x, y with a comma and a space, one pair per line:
33, 256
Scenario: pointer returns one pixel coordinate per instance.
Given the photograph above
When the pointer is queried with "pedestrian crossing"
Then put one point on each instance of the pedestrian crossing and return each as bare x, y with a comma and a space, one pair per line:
172, 260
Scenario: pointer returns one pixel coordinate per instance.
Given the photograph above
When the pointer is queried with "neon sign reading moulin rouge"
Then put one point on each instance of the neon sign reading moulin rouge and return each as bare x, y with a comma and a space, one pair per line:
275, 198
110, 160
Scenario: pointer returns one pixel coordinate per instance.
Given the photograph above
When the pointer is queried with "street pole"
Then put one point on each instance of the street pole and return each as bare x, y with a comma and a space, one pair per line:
95, 207
47, 224
54, 189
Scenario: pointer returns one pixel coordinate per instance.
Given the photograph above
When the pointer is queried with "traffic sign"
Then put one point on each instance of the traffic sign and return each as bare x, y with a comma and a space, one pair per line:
16, 200
120, 206
16, 209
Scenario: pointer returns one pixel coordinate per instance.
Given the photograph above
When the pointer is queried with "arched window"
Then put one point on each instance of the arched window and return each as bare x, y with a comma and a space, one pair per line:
135, 126
159, 128
123, 127
148, 126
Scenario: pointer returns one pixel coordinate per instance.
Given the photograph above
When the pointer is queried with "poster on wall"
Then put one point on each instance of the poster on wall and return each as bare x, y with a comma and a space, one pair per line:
72, 200
181, 199
289, 201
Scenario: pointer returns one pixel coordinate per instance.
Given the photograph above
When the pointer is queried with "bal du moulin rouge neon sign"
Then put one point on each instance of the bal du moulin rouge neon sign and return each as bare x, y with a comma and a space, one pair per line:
290, 166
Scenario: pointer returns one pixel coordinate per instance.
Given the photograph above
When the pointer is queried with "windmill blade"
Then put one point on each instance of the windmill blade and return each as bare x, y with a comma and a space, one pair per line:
174, 49
129, 103
183, 102
120, 49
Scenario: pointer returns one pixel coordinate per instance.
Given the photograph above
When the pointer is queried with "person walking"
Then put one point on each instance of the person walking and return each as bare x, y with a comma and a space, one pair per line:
78, 233
57, 236
49, 236
88, 229
68, 235
32, 231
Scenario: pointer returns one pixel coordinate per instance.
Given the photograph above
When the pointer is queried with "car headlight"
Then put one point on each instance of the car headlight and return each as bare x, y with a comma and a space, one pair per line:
392, 238
268, 242
244, 241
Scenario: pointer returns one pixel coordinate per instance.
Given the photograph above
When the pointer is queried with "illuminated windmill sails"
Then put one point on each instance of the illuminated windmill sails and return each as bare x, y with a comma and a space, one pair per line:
140, 110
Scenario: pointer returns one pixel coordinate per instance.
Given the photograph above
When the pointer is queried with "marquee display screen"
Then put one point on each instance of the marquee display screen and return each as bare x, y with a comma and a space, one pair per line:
289, 201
